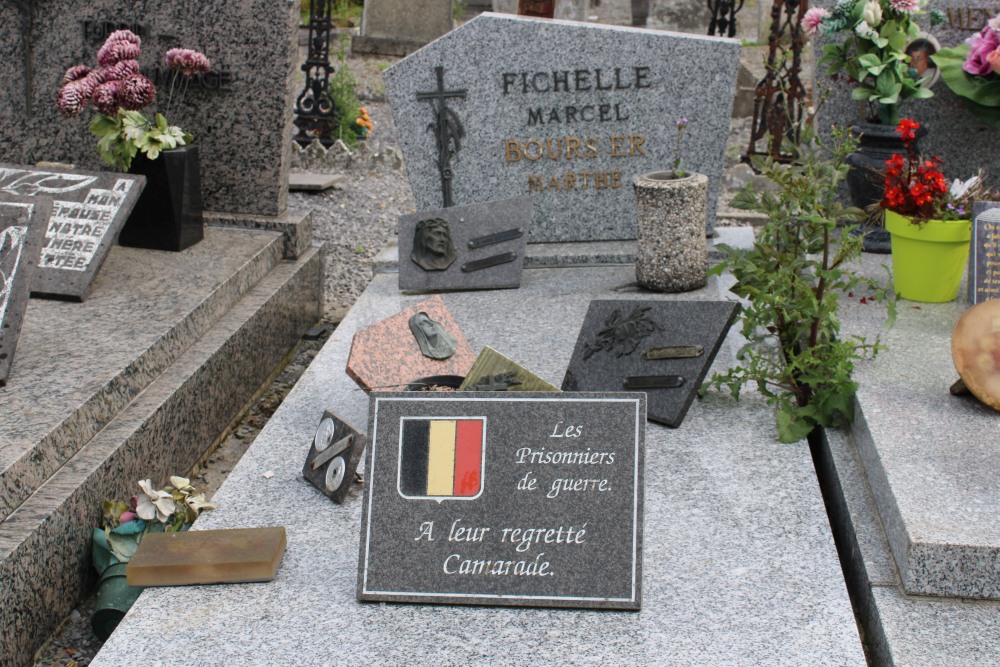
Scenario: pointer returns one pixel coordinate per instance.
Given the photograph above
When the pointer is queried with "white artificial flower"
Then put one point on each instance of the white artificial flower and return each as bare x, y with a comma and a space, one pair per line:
872, 13
154, 504
959, 188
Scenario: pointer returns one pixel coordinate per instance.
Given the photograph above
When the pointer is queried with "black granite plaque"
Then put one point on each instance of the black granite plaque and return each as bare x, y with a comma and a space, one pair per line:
528, 499
984, 259
88, 210
333, 457
464, 247
661, 347
22, 229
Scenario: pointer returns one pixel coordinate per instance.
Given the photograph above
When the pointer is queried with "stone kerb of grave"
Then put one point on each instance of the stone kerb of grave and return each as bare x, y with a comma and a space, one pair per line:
566, 112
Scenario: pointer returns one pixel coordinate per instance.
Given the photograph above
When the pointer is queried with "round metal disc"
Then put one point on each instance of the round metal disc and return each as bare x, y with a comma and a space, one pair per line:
335, 474
324, 434
975, 349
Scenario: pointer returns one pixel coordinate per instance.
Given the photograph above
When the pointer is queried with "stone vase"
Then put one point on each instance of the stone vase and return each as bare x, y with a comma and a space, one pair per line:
670, 214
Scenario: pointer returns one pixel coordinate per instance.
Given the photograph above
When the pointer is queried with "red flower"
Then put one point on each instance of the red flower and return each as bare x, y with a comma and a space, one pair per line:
907, 129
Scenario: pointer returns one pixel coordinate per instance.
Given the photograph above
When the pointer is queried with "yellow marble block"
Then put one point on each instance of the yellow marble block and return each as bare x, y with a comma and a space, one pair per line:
207, 557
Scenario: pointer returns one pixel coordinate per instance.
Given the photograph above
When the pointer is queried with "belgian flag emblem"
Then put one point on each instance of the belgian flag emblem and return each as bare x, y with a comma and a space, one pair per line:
441, 457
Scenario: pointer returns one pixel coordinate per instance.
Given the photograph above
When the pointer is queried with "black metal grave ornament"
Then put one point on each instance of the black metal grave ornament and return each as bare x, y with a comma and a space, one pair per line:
448, 131
333, 457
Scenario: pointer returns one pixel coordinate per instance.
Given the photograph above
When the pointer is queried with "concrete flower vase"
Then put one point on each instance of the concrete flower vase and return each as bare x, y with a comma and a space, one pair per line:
670, 213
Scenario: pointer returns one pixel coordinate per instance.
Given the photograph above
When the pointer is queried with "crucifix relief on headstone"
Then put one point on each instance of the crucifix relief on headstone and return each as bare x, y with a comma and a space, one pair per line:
448, 131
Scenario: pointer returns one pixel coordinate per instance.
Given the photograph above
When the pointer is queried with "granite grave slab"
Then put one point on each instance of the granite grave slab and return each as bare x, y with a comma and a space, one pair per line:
239, 112
495, 372
568, 112
479, 246
22, 233
527, 500
420, 345
88, 210
399, 27
333, 456
661, 347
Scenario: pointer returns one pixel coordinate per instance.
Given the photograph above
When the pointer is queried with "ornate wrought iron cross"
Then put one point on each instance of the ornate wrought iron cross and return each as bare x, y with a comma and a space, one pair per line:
315, 110
779, 96
27, 7
724, 16
447, 129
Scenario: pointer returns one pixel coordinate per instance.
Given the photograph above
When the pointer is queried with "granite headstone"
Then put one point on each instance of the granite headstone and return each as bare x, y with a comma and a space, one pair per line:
570, 10
410, 349
480, 246
88, 210
240, 112
22, 233
664, 348
333, 457
984, 255
399, 27
530, 499
568, 112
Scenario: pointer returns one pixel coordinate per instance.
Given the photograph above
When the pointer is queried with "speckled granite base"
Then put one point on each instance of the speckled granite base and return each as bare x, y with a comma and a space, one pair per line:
79, 364
670, 235
295, 226
932, 459
739, 566
45, 544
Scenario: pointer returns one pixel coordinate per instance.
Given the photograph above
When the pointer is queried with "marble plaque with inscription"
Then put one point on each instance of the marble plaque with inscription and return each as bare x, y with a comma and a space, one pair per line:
984, 258
663, 348
88, 210
567, 112
529, 499
22, 229
480, 246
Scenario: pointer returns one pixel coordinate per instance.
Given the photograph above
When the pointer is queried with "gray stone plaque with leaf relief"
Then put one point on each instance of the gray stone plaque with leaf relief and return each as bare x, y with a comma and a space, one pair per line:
527, 499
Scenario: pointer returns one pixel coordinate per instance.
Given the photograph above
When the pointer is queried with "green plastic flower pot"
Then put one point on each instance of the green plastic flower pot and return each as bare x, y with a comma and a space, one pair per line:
114, 598
928, 259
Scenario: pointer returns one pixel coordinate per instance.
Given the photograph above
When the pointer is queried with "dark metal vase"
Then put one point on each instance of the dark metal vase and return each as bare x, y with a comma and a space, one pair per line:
168, 215
866, 178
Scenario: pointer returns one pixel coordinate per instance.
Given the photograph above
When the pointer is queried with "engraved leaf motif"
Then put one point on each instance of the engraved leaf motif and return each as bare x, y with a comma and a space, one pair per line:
622, 336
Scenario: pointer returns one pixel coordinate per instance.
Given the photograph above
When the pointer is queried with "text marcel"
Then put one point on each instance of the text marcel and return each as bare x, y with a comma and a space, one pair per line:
598, 80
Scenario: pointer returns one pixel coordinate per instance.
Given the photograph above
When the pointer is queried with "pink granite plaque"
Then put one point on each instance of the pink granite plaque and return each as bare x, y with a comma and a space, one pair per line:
392, 354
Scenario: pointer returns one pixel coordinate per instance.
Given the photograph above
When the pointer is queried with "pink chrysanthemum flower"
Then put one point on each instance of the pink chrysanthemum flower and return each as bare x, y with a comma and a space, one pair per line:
120, 45
106, 98
121, 70
187, 61
813, 19
89, 83
905, 6
75, 73
136, 92
72, 99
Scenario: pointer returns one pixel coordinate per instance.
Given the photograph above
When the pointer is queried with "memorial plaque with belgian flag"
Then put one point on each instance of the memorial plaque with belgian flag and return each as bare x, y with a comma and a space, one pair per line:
489, 498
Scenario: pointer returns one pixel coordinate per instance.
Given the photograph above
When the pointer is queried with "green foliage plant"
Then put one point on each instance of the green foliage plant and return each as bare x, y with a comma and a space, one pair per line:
792, 281
343, 88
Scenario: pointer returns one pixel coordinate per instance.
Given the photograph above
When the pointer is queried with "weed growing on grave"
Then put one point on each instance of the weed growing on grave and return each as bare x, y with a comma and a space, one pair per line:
793, 278
353, 123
